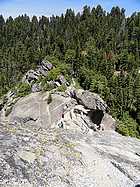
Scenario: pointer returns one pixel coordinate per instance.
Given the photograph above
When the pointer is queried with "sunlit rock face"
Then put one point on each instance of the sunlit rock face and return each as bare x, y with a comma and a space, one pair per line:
36, 151
33, 156
79, 112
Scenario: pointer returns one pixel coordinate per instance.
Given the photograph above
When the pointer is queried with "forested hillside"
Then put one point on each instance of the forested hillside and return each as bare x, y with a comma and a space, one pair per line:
102, 49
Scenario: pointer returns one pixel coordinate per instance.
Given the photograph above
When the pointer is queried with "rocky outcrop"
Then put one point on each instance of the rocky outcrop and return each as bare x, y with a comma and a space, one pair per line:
32, 77
41, 70
36, 87
36, 107
91, 100
109, 121
58, 144
76, 115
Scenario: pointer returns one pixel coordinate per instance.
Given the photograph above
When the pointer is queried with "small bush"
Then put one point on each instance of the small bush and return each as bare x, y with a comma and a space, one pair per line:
48, 87
60, 68
49, 99
128, 126
53, 74
99, 85
23, 89
62, 88
45, 85
53, 60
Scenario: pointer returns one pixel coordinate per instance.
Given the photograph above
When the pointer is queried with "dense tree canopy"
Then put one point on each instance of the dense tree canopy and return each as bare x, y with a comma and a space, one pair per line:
102, 48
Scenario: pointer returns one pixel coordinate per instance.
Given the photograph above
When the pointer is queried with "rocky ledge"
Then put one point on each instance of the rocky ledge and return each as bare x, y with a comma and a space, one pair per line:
82, 110
56, 139
32, 76
35, 151
32, 156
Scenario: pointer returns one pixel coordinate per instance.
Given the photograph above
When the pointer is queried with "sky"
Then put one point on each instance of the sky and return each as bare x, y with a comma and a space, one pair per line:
48, 7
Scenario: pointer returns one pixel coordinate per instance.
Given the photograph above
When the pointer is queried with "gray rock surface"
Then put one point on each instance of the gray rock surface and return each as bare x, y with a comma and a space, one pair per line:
109, 121
62, 79
47, 65
91, 100
36, 88
30, 76
35, 106
38, 157
35, 152
41, 70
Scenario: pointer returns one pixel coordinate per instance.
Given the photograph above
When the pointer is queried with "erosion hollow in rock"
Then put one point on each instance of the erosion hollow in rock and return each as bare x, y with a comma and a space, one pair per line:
96, 116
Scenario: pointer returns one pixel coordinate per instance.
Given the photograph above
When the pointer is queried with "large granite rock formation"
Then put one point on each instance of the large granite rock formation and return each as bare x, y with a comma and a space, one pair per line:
36, 157
91, 100
35, 106
36, 152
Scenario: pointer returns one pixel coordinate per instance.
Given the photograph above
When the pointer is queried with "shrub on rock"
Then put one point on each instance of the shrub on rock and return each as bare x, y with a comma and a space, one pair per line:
23, 89
128, 126
62, 88
49, 99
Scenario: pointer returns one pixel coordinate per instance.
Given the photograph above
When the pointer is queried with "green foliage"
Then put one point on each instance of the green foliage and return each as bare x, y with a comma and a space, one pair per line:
85, 77
52, 59
48, 87
99, 84
23, 89
57, 71
128, 126
94, 81
49, 100
92, 46
45, 85
137, 97
70, 56
62, 88
54, 73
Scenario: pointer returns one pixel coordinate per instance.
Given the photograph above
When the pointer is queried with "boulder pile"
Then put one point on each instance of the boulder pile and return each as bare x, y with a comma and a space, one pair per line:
32, 76
42, 70
78, 112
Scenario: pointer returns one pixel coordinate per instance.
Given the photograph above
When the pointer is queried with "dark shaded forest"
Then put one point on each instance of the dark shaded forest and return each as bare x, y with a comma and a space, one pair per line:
102, 48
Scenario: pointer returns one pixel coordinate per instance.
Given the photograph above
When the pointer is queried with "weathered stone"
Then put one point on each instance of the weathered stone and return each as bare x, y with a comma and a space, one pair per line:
109, 122
47, 64
30, 76
41, 70
36, 88
62, 79
90, 100
10, 94
1, 104
44, 115
35, 152
27, 156
57, 157
57, 83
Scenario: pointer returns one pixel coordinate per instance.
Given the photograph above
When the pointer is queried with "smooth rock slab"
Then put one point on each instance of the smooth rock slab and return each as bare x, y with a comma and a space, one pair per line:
38, 157
27, 156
